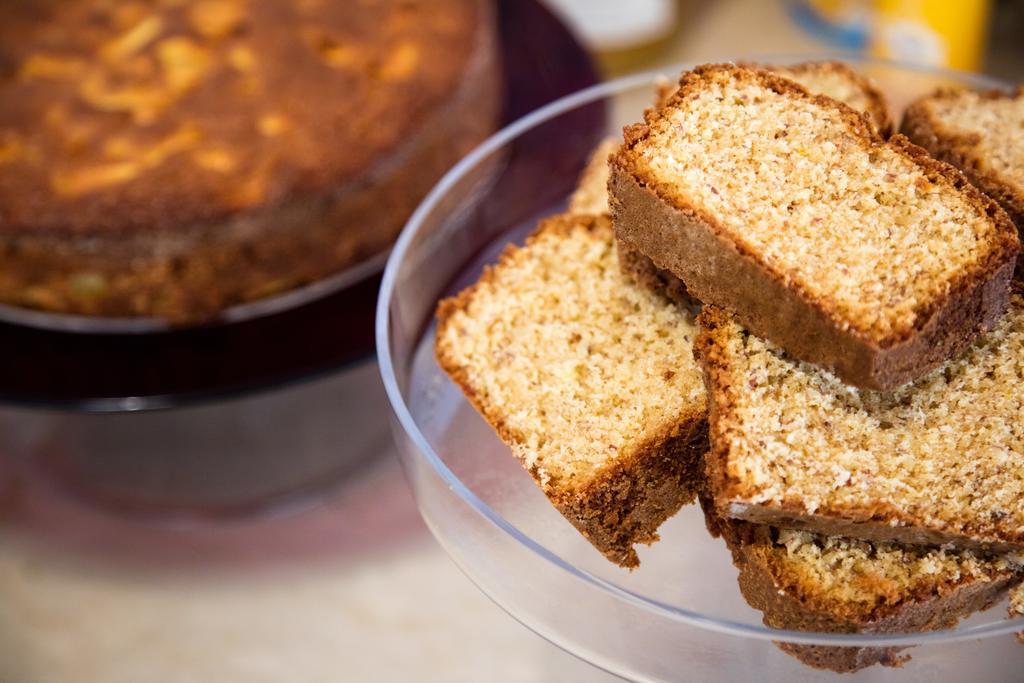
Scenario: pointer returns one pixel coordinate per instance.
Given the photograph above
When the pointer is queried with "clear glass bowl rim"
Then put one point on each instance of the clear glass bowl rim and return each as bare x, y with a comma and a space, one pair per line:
502, 525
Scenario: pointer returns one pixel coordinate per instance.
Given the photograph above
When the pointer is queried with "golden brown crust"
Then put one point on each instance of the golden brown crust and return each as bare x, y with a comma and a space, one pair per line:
160, 86
961, 150
274, 198
626, 501
769, 586
684, 240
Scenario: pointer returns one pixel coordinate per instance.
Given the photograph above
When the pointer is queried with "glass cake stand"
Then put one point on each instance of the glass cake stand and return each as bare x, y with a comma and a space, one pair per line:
679, 616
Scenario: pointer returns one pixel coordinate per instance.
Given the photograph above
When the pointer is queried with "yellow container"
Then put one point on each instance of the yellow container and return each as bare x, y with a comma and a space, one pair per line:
933, 32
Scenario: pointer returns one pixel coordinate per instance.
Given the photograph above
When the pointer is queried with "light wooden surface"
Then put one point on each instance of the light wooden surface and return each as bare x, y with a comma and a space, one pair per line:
400, 612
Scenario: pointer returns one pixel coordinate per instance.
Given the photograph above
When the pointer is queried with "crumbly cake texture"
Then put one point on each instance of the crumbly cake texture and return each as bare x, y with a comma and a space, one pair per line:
982, 134
940, 461
806, 581
923, 270
172, 159
590, 380
809, 582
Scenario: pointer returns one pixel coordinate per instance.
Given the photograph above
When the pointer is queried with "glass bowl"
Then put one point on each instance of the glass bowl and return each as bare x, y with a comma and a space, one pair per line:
680, 615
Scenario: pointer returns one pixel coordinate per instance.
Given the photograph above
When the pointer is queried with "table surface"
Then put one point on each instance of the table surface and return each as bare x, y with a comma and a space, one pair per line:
354, 589
379, 600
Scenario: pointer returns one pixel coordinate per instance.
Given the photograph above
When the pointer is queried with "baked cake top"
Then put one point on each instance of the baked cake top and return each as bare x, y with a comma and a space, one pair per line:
120, 115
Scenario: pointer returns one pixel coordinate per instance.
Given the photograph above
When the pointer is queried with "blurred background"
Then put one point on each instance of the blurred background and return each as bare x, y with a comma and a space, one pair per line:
224, 503
970, 36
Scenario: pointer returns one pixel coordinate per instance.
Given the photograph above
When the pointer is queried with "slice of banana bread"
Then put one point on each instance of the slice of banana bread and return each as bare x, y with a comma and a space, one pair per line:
590, 380
808, 582
938, 461
863, 256
982, 134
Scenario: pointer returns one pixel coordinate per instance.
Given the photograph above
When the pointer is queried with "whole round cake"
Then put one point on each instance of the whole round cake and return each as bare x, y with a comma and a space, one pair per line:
170, 158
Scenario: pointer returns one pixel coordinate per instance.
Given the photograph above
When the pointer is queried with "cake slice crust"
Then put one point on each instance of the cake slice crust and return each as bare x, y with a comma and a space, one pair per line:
832, 263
